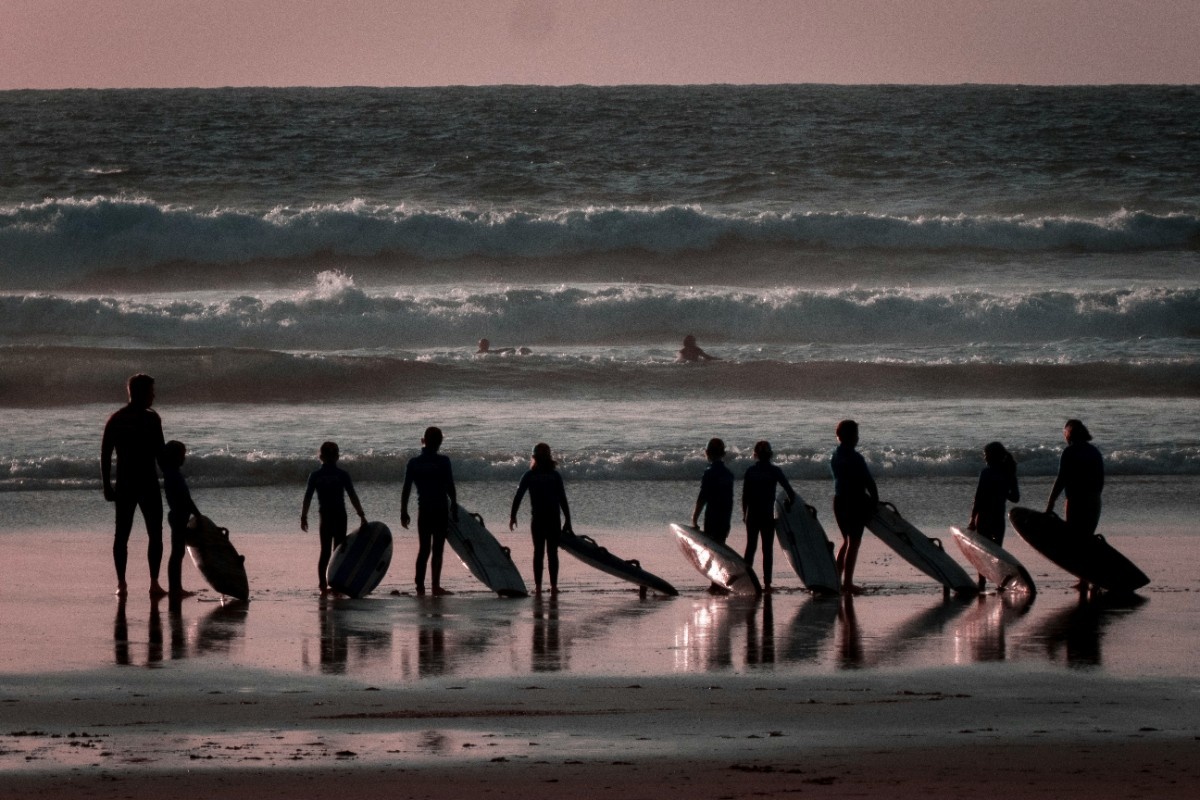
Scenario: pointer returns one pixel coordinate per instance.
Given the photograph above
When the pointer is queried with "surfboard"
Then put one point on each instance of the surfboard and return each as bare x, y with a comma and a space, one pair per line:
484, 556
1085, 556
586, 550
993, 562
716, 561
216, 557
360, 562
806, 546
922, 552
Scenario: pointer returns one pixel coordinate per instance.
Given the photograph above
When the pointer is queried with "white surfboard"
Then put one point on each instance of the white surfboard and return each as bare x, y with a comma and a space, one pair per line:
993, 562
484, 556
917, 549
717, 562
806, 546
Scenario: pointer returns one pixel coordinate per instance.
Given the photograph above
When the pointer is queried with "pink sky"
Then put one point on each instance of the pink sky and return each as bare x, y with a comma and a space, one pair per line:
151, 43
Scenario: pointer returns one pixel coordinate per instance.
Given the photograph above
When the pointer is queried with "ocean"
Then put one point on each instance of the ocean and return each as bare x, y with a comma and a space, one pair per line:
947, 265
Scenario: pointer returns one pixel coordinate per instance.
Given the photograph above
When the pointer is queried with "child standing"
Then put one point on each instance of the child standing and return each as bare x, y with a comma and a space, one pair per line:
332, 485
180, 510
758, 507
437, 504
547, 495
854, 499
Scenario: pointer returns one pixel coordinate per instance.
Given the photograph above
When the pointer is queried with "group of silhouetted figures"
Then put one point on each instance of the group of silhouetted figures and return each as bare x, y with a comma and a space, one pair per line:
134, 433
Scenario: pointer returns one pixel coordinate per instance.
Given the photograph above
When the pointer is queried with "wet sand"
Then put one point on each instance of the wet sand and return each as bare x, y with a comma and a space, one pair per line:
595, 693
1029, 733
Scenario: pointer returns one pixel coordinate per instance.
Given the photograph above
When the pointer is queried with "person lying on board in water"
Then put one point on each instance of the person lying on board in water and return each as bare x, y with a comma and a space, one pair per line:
1081, 478
715, 499
692, 352
134, 433
854, 499
437, 504
758, 507
332, 485
486, 349
180, 510
997, 485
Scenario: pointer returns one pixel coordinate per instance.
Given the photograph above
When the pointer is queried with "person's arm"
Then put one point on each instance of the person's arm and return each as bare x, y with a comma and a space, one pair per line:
701, 501
516, 503
745, 483
787, 487
353, 495
451, 491
562, 503
872, 489
974, 522
1059, 484
404, 493
106, 451
308, 493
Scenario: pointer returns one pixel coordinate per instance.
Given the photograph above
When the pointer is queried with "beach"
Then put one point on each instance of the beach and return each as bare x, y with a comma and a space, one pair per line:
949, 266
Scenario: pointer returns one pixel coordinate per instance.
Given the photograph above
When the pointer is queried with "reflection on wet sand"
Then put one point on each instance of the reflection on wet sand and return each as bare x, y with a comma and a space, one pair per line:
215, 633
981, 635
350, 628
1075, 632
412, 639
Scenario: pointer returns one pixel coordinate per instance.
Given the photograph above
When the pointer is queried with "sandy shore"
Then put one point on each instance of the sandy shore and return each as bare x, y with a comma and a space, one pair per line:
246, 733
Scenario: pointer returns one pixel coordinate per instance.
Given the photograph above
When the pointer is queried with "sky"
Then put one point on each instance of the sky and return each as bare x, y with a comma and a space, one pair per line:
51, 44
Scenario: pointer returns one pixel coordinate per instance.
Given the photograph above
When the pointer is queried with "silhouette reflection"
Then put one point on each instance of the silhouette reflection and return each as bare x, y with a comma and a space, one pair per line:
1075, 632
981, 635
351, 628
222, 628
928, 624
547, 653
705, 640
811, 628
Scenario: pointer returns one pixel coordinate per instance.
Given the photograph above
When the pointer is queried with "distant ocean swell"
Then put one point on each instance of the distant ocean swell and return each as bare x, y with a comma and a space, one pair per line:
66, 237
65, 376
335, 314
207, 470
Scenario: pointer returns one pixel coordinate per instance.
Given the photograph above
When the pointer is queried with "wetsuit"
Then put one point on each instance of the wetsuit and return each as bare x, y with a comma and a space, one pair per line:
758, 504
854, 491
1081, 478
716, 496
331, 484
997, 485
431, 473
136, 435
181, 508
547, 495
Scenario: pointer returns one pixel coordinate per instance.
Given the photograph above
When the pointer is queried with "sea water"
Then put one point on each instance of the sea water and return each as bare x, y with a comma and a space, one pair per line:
946, 265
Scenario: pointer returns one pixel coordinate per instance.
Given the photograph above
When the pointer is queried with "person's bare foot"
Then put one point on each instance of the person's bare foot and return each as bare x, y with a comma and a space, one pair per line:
157, 591
179, 594
851, 588
440, 592
420, 591
122, 589
324, 591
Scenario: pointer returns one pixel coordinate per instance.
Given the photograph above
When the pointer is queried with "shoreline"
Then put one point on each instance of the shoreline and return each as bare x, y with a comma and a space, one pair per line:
1035, 732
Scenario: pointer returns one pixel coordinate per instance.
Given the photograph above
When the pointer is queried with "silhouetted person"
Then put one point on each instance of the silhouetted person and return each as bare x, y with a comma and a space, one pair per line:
997, 485
1081, 478
715, 498
180, 510
437, 503
135, 434
692, 352
332, 485
486, 349
547, 496
758, 507
854, 499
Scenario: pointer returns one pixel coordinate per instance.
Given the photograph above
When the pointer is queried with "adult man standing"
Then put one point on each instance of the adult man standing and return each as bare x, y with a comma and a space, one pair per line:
135, 433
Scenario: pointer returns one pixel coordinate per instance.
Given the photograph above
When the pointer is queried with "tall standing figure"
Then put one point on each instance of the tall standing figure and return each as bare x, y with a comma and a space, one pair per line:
437, 503
997, 485
715, 498
332, 485
854, 499
1081, 478
758, 507
134, 432
547, 496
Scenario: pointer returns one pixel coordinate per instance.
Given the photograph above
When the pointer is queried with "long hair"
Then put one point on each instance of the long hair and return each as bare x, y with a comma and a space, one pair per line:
1077, 431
